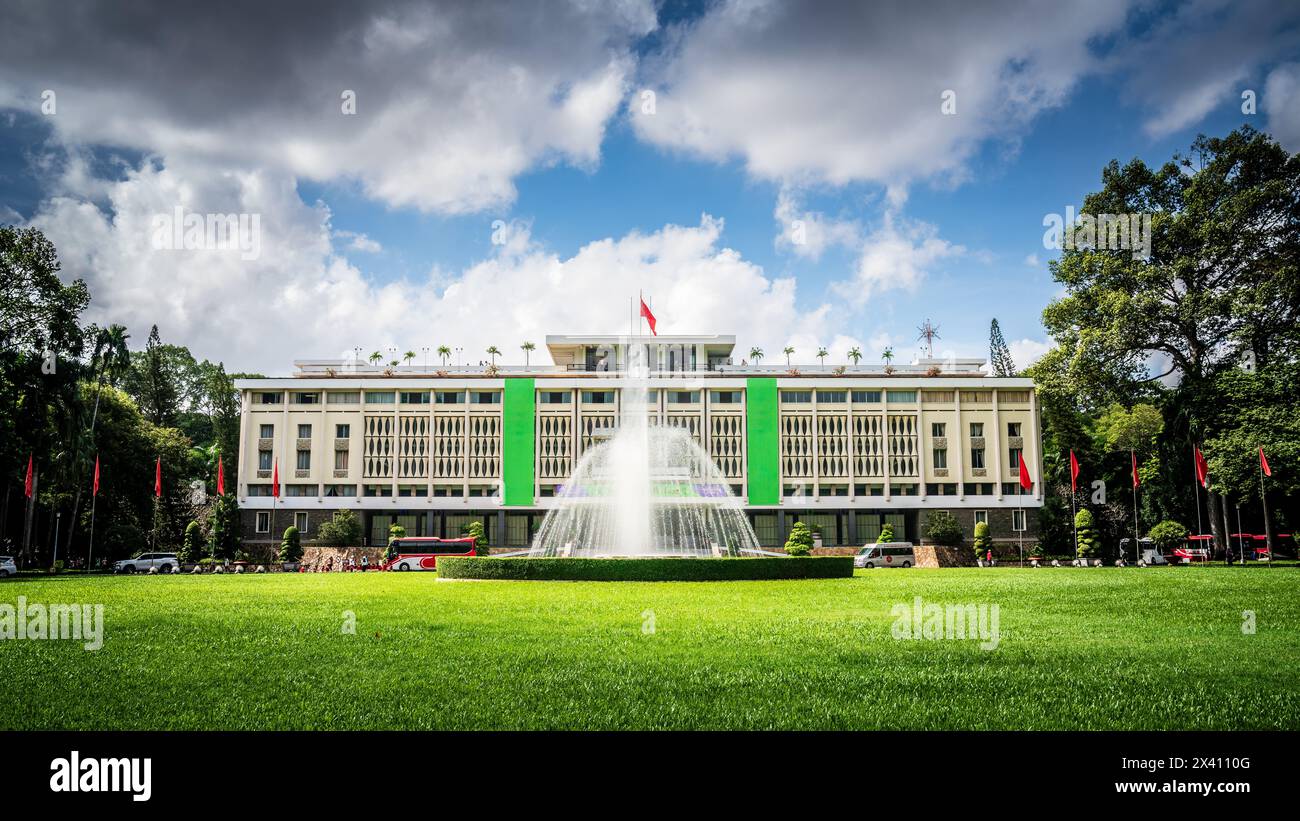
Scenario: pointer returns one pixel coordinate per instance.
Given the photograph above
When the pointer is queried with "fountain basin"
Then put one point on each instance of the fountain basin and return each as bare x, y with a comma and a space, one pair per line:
645, 569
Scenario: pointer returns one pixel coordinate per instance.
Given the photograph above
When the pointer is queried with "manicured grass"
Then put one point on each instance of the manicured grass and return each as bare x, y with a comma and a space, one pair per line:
646, 569
1080, 648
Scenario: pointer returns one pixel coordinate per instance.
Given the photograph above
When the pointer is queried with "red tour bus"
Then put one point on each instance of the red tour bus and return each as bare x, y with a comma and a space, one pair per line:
422, 552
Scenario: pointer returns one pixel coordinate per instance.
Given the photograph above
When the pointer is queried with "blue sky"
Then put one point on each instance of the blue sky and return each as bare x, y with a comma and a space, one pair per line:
379, 227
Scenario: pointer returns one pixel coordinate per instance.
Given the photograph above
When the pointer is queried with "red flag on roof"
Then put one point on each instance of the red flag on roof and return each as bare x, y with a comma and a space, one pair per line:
1074, 472
1026, 481
1136, 480
29, 476
1202, 468
157, 478
649, 317
94, 490
1263, 463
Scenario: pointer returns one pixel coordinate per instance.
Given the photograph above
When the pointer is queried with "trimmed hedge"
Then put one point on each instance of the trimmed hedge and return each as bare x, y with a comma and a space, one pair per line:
646, 570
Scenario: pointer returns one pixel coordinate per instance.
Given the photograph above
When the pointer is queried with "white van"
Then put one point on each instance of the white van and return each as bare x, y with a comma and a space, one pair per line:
886, 554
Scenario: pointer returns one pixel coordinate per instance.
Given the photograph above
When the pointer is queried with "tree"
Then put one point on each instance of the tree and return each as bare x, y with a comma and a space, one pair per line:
800, 541
344, 530
376, 357
192, 545
1088, 546
942, 528
291, 545
527, 348
822, 354
408, 356
493, 352
756, 354
1000, 361
982, 543
474, 530
1134, 429
444, 353
395, 532
787, 350
1168, 535
223, 534
886, 534
888, 355
855, 354
154, 382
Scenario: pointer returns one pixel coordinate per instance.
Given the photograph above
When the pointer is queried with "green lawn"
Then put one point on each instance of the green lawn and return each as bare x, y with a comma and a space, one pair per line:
1080, 648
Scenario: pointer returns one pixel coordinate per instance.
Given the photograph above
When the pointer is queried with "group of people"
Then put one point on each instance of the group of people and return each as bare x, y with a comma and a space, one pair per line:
349, 565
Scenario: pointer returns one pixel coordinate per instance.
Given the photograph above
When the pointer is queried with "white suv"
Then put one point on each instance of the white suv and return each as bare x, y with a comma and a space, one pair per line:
7, 566
165, 562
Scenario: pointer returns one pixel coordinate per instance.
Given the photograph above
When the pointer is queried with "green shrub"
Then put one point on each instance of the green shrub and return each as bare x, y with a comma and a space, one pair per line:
192, 544
344, 530
983, 542
645, 570
886, 534
474, 530
223, 537
800, 542
291, 545
942, 528
1088, 543
1168, 535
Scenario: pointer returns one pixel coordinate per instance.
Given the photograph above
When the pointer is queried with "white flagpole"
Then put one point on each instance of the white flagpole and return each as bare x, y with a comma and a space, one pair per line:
1263, 502
1136, 535
1196, 489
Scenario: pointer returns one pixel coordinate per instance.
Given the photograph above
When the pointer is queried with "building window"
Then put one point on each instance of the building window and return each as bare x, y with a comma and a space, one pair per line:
981, 516
342, 431
554, 397
1017, 520
344, 397
341, 459
725, 397
1013, 429
938, 429
304, 460
263, 524
597, 397
976, 430
485, 397
449, 398
833, 397
266, 431
270, 398
683, 397
300, 522
1015, 489
900, 396
977, 458
1014, 455
259, 490
380, 397
941, 458
796, 397
412, 490
415, 397
304, 431
264, 460
340, 490
867, 397
301, 490
379, 490
306, 398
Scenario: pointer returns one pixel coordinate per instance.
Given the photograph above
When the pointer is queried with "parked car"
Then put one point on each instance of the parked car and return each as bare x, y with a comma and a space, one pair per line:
165, 562
7, 567
889, 554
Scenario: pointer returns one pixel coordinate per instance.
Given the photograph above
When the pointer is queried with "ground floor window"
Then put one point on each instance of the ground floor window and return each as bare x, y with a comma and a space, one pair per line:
263, 523
981, 516
1017, 520
765, 529
300, 522
870, 524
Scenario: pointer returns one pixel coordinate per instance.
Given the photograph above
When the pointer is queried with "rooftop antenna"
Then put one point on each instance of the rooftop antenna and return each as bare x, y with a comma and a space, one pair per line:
929, 333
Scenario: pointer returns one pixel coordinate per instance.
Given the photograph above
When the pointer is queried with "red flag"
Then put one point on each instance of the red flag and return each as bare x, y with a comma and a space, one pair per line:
94, 491
1074, 472
275, 479
221, 476
29, 476
649, 317
1202, 468
1263, 463
1026, 481
1136, 480
157, 478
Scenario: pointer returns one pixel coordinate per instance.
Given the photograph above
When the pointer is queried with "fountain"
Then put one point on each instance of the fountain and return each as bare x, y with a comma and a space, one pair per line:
645, 491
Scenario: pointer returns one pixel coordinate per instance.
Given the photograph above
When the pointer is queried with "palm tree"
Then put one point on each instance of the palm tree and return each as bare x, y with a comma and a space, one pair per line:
855, 354
376, 357
408, 356
112, 360
756, 354
888, 355
821, 354
493, 352
527, 348
787, 351
445, 353
394, 363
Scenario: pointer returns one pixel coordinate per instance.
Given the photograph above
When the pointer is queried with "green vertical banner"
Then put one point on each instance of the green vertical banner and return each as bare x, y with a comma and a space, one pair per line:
518, 441
761, 442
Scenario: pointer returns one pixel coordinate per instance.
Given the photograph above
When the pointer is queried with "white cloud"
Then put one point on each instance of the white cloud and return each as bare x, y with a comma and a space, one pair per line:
360, 242
1281, 101
1032, 261
898, 255
808, 234
1025, 352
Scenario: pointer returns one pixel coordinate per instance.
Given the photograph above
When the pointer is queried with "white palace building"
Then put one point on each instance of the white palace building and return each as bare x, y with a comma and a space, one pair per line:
433, 447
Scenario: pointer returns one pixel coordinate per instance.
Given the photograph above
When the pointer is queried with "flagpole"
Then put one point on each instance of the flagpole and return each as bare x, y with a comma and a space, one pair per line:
90, 557
1136, 536
1263, 500
1020, 490
1074, 492
1196, 489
